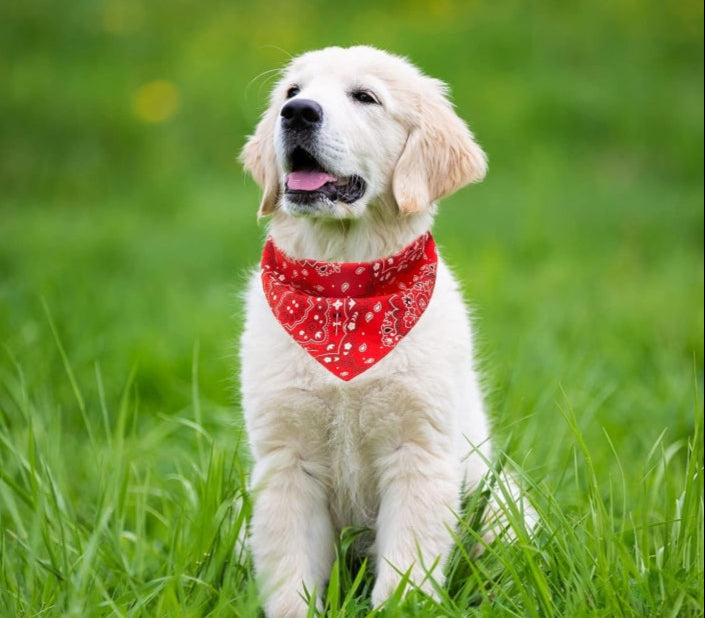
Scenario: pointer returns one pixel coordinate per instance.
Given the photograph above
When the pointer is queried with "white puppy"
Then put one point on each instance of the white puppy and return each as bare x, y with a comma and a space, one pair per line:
362, 405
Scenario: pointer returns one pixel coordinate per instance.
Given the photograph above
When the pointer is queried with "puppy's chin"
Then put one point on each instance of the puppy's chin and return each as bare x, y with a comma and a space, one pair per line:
320, 206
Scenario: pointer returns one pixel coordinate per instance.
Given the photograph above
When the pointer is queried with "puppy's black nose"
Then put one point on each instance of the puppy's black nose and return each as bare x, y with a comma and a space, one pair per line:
301, 114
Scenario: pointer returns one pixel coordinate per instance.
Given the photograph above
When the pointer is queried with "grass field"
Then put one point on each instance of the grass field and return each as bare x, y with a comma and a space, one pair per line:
127, 229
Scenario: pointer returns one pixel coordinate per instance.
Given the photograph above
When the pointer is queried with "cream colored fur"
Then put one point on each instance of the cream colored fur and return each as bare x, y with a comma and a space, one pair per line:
395, 448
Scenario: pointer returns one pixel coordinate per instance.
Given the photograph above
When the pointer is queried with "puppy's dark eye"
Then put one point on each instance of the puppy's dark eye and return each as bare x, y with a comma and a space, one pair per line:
364, 96
292, 91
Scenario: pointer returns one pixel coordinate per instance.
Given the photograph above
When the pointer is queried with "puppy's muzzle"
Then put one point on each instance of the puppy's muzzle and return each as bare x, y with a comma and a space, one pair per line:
307, 180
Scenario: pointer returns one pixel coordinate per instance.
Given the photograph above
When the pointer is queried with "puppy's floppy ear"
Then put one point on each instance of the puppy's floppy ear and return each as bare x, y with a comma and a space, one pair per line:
440, 154
258, 158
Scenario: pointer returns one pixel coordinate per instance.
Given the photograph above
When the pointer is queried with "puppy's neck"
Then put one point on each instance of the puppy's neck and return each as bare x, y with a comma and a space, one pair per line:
353, 240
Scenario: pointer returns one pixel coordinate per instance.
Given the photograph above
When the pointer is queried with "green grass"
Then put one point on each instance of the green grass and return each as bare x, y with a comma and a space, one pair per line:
124, 245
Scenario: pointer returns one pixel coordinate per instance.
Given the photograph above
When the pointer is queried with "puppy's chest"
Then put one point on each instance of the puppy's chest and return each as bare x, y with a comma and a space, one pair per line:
367, 421
354, 433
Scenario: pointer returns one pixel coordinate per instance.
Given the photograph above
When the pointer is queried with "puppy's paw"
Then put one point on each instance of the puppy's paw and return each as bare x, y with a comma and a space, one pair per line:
289, 603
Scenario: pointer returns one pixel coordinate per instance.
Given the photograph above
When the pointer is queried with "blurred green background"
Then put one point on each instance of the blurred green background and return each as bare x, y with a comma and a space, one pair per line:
126, 221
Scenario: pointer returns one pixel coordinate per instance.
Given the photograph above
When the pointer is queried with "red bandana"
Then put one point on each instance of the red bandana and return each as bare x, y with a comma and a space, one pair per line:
350, 315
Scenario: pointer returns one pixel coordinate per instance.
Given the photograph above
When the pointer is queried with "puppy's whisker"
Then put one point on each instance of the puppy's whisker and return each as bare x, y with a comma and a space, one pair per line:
289, 55
269, 73
265, 78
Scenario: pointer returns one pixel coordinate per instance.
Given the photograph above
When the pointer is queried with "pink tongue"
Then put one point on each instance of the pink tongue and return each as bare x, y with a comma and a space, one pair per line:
308, 181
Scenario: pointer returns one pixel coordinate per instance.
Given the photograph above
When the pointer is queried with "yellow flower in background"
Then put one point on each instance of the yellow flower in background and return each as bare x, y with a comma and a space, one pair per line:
156, 101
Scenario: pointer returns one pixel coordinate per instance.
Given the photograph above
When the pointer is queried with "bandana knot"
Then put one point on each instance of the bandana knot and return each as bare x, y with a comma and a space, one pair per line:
350, 315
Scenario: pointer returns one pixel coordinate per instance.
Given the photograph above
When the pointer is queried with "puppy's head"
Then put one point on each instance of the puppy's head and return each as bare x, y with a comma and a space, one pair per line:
347, 128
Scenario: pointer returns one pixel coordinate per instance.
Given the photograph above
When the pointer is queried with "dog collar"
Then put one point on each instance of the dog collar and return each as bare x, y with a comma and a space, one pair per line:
350, 315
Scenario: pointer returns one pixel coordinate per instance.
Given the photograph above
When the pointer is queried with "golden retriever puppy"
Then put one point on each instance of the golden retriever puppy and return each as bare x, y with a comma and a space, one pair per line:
360, 397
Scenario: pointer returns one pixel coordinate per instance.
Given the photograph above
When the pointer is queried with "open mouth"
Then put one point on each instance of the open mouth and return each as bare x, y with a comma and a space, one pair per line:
308, 180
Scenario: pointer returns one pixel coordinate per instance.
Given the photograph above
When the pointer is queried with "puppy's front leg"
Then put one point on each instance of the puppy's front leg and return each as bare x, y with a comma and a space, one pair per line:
419, 496
292, 535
